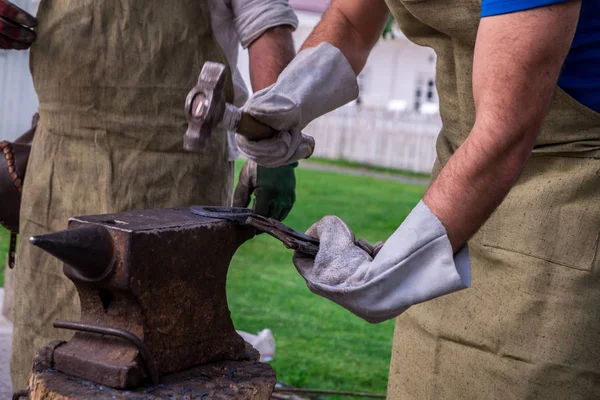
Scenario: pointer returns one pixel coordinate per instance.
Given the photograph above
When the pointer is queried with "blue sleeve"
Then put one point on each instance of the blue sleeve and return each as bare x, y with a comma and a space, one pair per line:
498, 7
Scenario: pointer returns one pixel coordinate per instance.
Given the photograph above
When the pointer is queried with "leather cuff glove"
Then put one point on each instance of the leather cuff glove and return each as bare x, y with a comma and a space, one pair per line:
317, 81
274, 189
416, 264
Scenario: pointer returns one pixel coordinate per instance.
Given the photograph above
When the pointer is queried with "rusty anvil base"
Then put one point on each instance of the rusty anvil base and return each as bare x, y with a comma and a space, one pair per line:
159, 275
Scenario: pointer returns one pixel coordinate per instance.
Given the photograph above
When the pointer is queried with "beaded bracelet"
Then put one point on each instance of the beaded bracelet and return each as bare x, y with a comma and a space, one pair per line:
6, 148
7, 151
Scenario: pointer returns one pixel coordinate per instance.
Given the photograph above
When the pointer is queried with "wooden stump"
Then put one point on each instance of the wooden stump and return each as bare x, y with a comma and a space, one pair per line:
243, 380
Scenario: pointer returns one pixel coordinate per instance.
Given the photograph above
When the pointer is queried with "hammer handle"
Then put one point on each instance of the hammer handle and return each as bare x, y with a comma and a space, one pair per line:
252, 129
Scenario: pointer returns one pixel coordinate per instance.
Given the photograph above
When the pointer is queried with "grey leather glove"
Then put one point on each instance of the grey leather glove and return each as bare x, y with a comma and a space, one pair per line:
317, 81
416, 264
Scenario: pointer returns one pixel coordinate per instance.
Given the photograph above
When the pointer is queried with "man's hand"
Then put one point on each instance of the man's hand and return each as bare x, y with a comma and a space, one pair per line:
320, 79
15, 27
416, 264
269, 55
274, 189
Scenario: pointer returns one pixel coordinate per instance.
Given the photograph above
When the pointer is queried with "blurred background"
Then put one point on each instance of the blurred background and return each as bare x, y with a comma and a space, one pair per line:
370, 167
398, 104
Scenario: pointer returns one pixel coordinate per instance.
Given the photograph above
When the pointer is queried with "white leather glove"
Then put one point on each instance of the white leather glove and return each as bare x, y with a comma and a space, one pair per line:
416, 264
319, 80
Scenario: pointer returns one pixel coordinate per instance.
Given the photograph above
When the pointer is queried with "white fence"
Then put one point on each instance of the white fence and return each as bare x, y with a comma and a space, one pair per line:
404, 140
18, 101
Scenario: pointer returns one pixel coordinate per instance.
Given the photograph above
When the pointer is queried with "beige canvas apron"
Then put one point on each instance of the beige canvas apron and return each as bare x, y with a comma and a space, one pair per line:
112, 77
529, 328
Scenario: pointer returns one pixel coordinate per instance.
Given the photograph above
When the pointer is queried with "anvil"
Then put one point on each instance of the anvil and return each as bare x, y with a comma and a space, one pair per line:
152, 291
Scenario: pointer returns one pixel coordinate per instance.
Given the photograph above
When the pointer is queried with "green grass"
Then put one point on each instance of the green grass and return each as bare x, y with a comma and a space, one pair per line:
4, 242
319, 344
356, 165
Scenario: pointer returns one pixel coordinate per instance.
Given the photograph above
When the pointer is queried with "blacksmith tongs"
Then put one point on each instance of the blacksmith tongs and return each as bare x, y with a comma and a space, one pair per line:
291, 238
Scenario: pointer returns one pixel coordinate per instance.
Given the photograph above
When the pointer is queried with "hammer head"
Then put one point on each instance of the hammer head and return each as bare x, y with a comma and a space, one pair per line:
204, 107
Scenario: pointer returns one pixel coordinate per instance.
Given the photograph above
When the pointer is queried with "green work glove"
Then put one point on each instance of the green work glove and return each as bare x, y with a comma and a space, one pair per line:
274, 189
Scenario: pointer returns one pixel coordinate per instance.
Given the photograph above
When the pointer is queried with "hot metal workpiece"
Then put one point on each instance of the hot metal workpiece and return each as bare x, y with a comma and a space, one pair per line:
159, 275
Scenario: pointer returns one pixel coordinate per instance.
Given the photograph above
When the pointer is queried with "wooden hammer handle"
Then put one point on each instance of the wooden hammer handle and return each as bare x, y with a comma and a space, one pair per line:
252, 129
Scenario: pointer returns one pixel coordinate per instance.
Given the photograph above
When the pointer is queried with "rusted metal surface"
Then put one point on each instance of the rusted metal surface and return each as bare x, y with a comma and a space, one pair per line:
166, 285
120, 333
226, 380
291, 238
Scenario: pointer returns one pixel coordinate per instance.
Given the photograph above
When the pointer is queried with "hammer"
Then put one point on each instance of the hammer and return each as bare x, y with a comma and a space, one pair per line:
206, 108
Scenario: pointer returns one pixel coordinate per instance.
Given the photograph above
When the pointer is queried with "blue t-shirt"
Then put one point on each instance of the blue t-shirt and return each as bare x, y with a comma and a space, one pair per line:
580, 75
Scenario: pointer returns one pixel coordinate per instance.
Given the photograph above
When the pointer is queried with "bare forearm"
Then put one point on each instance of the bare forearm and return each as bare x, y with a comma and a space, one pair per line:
269, 55
517, 63
353, 26
473, 184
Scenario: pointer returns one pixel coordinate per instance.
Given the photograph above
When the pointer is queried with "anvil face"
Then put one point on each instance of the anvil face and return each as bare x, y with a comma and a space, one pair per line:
164, 282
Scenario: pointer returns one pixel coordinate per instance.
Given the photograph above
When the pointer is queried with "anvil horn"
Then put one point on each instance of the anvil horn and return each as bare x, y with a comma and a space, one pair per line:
87, 251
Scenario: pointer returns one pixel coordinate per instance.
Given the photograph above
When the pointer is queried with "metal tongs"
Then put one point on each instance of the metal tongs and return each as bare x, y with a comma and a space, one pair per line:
291, 238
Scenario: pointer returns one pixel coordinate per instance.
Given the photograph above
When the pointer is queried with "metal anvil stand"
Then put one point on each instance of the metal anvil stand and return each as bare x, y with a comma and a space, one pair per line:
154, 317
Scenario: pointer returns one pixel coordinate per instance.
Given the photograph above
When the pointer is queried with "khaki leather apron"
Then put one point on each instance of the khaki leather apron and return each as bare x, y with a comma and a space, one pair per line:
529, 327
112, 77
